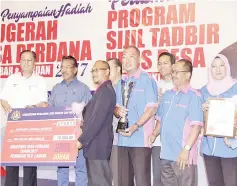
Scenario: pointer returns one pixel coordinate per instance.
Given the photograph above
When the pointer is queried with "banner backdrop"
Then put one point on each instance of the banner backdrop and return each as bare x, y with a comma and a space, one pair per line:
92, 30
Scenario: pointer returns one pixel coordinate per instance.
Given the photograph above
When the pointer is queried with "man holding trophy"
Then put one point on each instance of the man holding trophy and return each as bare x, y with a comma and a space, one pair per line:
126, 88
115, 76
136, 107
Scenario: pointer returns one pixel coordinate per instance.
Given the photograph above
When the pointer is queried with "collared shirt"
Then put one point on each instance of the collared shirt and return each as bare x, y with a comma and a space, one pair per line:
20, 91
164, 86
233, 143
64, 94
213, 146
178, 112
143, 95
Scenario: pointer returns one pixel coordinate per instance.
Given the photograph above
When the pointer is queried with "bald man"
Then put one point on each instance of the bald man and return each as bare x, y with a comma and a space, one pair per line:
97, 137
134, 152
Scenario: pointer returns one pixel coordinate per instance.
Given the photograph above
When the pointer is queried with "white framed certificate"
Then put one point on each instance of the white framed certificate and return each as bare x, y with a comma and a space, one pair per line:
220, 120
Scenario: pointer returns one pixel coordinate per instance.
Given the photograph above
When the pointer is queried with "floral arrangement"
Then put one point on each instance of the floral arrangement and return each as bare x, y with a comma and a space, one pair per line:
77, 108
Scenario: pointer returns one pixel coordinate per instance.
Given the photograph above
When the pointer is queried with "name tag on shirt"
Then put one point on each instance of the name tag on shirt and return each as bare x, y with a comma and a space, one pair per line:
181, 105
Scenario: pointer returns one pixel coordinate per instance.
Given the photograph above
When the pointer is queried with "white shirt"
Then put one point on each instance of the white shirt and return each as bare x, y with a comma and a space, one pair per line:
162, 86
20, 91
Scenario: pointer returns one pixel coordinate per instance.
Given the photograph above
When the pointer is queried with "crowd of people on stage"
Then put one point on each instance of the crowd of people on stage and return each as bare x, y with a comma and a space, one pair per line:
166, 121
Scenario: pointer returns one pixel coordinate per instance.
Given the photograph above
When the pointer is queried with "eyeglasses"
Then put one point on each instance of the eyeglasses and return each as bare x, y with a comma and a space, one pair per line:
178, 71
66, 67
26, 60
97, 70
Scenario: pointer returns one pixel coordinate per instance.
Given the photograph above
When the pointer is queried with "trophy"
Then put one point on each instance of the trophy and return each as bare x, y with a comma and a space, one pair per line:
126, 92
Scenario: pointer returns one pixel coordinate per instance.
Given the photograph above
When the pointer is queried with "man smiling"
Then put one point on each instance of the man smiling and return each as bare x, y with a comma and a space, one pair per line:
65, 93
97, 136
24, 89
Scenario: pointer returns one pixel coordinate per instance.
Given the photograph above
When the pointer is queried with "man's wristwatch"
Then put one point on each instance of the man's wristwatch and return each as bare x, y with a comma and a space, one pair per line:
137, 126
187, 147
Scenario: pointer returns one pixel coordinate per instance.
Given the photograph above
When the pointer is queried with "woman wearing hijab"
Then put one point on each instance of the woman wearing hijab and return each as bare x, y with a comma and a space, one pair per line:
220, 159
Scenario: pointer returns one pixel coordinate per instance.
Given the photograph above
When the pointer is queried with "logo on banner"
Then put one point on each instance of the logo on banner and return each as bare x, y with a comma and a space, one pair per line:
16, 115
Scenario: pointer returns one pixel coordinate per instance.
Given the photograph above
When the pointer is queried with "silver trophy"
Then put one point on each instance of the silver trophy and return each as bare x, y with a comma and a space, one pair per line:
126, 93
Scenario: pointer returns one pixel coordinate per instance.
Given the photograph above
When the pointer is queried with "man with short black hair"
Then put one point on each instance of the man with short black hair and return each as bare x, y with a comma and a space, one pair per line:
115, 77
69, 91
23, 89
164, 66
180, 119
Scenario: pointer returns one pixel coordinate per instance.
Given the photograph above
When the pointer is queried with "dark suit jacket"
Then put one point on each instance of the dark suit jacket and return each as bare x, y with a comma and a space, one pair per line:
97, 136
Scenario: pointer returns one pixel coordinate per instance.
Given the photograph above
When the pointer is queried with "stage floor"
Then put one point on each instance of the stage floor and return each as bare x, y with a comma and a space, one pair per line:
40, 182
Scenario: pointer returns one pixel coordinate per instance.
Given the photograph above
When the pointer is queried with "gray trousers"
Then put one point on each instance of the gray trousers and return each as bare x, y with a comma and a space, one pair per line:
156, 166
114, 164
172, 175
98, 173
221, 171
139, 160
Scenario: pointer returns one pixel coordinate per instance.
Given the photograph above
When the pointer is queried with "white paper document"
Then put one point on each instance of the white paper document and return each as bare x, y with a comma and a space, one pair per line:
221, 118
